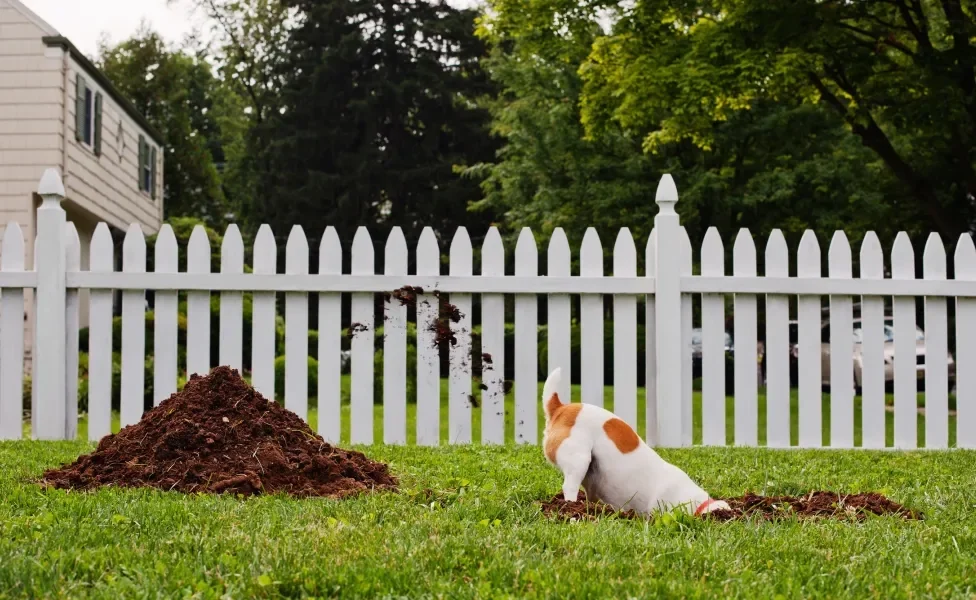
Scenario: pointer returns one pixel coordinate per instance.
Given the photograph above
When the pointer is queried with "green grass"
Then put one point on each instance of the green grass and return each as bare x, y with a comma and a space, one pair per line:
608, 403
481, 535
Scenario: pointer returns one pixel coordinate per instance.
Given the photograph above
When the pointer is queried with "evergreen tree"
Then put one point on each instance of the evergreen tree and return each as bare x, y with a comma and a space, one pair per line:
377, 113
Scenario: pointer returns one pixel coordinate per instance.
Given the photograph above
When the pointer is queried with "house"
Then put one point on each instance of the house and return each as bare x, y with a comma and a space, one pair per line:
57, 110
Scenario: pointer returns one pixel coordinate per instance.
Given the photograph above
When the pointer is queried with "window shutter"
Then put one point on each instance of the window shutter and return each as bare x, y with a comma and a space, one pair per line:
152, 180
97, 135
80, 87
142, 162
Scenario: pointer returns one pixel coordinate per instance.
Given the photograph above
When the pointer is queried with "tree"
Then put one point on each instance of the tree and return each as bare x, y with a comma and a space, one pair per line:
898, 73
176, 92
782, 164
378, 107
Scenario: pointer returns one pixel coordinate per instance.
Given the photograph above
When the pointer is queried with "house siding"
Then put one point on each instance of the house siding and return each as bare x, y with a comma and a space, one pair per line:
108, 185
38, 79
31, 116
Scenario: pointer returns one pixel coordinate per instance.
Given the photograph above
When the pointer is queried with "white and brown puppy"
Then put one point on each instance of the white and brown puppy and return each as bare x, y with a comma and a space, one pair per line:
594, 448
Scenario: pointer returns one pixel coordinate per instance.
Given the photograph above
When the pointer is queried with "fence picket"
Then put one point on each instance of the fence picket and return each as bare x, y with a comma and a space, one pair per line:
12, 337
101, 260
493, 344
71, 318
198, 306
133, 330
165, 324
687, 393
296, 327
713, 344
650, 346
395, 346
808, 346
745, 326
459, 354
625, 332
526, 343
965, 269
906, 398
263, 333
330, 341
873, 419
428, 353
559, 330
591, 322
232, 303
841, 347
936, 350
777, 349
363, 337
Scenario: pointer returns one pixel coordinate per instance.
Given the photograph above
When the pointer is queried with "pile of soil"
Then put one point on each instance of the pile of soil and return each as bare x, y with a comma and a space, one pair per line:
819, 504
218, 435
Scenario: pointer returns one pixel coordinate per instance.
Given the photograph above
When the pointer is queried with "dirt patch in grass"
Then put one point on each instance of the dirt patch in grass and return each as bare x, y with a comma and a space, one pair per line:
819, 504
219, 435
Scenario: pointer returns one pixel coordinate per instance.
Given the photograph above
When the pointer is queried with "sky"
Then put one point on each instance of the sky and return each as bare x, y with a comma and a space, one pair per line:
84, 21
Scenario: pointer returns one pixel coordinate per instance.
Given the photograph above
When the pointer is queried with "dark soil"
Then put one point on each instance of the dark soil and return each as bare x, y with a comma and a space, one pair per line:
218, 435
356, 328
829, 505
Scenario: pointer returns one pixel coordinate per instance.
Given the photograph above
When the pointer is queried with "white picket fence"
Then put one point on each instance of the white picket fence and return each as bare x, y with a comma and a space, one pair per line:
667, 287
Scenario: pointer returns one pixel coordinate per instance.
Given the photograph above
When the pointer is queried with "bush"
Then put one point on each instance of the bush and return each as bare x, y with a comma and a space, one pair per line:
411, 375
313, 378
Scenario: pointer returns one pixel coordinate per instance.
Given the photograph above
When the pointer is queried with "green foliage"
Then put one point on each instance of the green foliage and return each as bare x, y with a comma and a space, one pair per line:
411, 375
377, 108
313, 378
175, 91
889, 73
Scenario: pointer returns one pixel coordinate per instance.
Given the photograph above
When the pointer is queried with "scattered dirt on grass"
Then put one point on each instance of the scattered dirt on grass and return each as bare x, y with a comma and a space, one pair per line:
819, 504
218, 435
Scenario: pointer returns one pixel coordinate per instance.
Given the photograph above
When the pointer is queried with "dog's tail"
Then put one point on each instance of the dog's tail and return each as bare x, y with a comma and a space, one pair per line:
550, 392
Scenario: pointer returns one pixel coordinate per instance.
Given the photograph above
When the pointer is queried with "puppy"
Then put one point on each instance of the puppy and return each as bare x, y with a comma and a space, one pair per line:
594, 448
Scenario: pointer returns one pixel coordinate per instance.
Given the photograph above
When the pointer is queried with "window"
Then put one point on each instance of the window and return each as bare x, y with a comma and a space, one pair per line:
147, 167
120, 141
88, 115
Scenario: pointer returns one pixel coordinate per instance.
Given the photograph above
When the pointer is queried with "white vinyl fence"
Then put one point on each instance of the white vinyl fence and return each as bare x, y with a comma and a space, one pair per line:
666, 290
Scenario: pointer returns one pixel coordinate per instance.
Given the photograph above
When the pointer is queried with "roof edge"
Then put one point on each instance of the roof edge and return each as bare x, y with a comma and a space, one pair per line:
33, 16
97, 75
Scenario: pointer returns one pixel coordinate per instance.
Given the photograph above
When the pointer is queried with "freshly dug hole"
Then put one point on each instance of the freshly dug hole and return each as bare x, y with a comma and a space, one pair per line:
218, 435
820, 504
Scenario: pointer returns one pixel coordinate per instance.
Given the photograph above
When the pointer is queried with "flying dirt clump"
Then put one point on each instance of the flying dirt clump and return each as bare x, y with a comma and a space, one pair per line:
218, 435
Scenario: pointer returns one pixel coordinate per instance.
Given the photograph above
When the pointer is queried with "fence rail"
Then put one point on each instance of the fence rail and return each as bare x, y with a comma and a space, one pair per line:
836, 348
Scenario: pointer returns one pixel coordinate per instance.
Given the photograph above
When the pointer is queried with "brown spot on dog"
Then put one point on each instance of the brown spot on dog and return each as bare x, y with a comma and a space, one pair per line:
623, 435
561, 421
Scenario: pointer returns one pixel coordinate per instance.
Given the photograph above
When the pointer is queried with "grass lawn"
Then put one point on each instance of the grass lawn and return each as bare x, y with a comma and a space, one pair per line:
480, 535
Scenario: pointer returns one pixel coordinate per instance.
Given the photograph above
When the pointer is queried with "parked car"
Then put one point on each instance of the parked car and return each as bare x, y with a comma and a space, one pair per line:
889, 353
696, 351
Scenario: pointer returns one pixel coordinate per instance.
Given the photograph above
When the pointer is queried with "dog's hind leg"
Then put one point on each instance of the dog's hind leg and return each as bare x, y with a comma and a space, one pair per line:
574, 463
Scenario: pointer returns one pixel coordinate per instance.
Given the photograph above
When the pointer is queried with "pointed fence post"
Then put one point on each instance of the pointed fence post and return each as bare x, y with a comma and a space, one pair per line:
49, 416
667, 315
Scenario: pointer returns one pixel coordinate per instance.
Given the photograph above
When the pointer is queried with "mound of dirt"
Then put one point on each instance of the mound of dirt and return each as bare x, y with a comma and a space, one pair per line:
218, 435
819, 504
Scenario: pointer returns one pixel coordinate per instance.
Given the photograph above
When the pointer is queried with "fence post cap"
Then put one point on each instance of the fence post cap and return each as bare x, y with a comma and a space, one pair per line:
667, 194
51, 187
